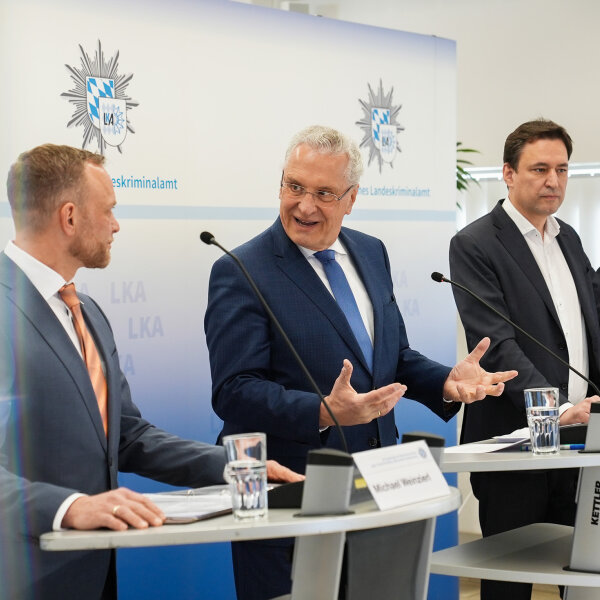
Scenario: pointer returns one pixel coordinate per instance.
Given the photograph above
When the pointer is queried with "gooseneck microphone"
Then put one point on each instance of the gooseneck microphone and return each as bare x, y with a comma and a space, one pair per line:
440, 278
209, 238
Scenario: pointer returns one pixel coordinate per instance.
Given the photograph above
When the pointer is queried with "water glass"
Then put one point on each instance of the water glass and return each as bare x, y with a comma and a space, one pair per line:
541, 405
246, 473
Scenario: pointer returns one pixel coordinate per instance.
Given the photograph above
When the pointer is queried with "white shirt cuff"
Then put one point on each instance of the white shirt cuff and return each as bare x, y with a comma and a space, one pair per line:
564, 407
62, 510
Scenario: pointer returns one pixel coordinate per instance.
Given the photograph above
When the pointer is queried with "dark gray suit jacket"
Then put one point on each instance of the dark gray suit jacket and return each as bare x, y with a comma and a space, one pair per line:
491, 257
52, 442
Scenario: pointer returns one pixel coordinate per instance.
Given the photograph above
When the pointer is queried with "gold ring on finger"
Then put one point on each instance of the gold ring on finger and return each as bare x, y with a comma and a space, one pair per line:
115, 509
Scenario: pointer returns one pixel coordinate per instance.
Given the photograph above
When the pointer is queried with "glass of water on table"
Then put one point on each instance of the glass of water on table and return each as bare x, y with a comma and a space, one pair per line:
246, 473
541, 405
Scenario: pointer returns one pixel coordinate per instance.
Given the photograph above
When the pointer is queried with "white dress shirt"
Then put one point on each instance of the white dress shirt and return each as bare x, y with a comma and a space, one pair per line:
47, 282
558, 278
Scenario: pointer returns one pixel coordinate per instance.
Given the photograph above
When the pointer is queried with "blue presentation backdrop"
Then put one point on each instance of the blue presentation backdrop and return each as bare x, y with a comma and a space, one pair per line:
193, 104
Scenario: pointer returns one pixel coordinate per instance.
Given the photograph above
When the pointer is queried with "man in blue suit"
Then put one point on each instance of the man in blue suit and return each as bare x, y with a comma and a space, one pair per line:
60, 449
257, 384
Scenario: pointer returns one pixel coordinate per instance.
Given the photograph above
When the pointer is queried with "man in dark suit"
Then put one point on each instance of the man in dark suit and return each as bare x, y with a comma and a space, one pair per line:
257, 384
60, 445
532, 268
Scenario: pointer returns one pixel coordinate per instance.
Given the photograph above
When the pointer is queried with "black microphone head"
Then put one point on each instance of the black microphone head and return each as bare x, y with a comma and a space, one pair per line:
207, 238
437, 277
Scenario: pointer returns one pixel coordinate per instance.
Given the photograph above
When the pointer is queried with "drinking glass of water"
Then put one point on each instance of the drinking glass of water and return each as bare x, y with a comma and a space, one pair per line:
541, 405
246, 473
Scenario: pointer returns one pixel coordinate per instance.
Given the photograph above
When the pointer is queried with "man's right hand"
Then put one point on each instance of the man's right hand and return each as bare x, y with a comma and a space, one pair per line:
578, 413
117, 509
351, 408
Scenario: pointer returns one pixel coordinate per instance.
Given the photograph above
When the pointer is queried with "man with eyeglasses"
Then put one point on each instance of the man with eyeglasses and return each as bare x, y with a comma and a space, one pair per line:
338, 316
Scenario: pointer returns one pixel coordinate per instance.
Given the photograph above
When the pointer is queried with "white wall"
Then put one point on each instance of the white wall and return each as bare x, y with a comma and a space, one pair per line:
516, 60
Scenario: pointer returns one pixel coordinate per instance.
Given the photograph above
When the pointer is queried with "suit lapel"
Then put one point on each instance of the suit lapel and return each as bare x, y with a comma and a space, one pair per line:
27, 300
514, 242
297, 269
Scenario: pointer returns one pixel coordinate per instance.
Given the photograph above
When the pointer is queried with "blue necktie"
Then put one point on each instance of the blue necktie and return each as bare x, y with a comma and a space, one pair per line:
346, 301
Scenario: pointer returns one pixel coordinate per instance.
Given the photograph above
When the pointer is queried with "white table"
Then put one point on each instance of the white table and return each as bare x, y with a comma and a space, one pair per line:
536, 553
516, 461
325, 561
278, 523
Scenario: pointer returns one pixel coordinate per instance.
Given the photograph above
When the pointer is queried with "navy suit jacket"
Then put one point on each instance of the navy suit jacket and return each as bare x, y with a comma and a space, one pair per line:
52, 443
257, 384
491, 257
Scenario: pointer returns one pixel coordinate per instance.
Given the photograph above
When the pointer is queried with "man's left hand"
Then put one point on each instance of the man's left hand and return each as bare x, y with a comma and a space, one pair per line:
468, 382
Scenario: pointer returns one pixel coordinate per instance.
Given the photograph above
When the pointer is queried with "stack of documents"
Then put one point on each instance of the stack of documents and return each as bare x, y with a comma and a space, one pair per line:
187, 506
511, 441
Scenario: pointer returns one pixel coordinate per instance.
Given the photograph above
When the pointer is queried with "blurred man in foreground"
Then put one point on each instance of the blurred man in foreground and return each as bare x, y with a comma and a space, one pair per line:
67, 421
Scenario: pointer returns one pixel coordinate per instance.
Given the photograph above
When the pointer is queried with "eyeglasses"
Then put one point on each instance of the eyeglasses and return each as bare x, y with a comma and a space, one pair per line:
296, 191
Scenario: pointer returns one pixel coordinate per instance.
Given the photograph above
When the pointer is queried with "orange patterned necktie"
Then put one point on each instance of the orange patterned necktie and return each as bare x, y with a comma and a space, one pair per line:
88, 349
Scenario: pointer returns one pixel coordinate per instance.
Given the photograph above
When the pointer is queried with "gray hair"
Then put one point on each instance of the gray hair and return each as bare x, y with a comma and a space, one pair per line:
330, 141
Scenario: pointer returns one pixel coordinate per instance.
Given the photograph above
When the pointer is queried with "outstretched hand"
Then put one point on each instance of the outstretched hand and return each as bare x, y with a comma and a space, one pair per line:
469, 382
351, 408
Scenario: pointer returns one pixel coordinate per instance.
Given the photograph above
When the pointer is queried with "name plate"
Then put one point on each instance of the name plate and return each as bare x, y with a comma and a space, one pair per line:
402, 474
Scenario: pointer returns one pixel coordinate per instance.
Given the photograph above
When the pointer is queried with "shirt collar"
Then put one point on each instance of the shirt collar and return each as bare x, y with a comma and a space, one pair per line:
337, 246
46, 280
552, 227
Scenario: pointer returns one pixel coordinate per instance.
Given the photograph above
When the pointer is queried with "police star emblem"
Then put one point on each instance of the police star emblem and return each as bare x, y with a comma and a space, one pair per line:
101, 105
379, 126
